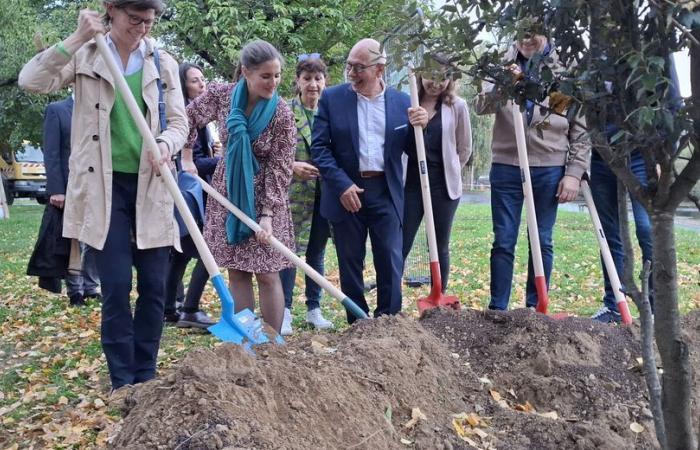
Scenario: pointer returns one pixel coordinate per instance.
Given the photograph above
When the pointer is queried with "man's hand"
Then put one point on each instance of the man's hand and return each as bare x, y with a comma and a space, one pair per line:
305, 171
418, 117
350, 199
263, 236
57, 200
568, 189
165, 156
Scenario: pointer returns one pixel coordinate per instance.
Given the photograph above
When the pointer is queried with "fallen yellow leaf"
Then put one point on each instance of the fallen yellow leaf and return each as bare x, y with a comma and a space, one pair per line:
496, 396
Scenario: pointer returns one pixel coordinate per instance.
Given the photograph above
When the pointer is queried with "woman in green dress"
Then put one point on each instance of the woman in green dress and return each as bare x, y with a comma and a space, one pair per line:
311, 231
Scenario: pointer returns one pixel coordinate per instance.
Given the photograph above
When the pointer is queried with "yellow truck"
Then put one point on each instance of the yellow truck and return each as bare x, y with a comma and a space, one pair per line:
23, 173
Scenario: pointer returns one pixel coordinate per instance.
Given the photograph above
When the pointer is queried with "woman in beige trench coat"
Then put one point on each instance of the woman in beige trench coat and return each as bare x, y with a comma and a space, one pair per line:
116, 202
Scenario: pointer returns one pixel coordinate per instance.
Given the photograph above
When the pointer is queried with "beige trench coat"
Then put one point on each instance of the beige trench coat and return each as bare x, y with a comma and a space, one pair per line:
89, 193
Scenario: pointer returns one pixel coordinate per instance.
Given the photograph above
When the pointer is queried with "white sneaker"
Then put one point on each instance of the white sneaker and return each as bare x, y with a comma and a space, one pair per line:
315, 318
287, 323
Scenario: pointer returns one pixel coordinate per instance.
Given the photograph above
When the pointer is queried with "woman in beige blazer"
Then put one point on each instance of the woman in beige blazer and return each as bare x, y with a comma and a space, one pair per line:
447, 136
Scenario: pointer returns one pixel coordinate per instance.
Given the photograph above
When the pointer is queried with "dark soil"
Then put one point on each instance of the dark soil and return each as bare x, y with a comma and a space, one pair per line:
357, 389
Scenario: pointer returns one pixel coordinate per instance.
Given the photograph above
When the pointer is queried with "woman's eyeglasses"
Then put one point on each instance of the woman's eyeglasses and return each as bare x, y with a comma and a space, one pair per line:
136, 20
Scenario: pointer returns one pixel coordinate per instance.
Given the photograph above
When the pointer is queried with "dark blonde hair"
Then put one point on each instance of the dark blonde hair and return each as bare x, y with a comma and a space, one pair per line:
448, 95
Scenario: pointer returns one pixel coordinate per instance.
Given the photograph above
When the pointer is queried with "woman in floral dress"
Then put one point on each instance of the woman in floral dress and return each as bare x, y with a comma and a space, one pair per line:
257, 163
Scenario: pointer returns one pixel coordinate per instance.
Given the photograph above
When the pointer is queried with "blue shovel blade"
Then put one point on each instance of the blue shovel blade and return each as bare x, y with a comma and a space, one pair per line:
243, 327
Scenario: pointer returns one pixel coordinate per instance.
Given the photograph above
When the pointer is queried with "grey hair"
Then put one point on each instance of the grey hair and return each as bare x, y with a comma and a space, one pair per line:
256, 53
138, 5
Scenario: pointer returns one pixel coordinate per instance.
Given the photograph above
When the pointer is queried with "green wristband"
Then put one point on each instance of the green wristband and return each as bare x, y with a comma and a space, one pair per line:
63, 50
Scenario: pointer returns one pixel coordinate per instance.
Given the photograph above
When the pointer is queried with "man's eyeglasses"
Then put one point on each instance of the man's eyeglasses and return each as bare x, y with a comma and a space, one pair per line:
358, 68
136, 20
305, 56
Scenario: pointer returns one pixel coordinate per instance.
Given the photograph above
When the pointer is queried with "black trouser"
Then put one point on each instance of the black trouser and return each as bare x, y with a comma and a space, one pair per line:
130, 343
198, 280
444, 209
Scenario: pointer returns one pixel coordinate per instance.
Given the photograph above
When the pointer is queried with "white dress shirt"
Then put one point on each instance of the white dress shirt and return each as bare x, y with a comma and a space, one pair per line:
136, 58
371, 121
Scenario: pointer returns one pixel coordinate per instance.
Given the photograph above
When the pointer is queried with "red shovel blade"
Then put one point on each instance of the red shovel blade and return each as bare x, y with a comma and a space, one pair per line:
432, 301
436, 299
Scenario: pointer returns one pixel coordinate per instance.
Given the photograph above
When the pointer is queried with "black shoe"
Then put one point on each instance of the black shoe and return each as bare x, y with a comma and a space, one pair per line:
198, 319
171, 318
97, 296
77, 300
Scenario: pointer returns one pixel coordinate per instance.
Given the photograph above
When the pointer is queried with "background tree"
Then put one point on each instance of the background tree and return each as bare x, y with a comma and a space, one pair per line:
617, 56
207, 31
214, 31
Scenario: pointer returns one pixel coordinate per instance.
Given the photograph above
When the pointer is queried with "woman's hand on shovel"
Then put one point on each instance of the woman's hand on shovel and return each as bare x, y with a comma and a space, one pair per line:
165, 156
263, 235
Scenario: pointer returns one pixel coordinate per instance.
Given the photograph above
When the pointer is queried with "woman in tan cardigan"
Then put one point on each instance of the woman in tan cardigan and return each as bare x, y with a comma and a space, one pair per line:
447, 147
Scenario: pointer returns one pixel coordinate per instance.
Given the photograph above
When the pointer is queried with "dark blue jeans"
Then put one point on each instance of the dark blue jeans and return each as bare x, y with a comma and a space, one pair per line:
506, 207
130, 343
315, 253
604, 191
444, 209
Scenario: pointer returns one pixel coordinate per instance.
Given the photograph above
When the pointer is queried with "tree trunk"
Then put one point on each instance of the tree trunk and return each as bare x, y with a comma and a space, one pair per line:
677, 376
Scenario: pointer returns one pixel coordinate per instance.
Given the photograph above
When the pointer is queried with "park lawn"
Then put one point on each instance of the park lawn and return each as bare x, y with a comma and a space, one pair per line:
53, 378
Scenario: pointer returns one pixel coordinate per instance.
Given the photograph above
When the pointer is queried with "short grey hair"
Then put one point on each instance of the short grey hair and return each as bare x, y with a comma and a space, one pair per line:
256, 53
138, 5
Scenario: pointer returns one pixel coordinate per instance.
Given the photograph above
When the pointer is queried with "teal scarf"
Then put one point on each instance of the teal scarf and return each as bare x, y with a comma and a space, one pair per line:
241, 165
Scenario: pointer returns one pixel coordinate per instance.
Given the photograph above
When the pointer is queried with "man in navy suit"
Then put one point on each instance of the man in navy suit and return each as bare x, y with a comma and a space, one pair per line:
56, 147
359, 134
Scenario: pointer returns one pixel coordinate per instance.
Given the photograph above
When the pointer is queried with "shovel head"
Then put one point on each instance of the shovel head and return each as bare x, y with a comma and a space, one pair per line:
436, 301
243, 327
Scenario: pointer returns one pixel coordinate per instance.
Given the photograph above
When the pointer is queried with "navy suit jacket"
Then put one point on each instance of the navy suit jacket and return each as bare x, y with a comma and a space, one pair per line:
56, 145
335, 146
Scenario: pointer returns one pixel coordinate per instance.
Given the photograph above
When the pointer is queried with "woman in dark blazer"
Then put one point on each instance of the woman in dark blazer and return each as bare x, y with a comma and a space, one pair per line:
447, 138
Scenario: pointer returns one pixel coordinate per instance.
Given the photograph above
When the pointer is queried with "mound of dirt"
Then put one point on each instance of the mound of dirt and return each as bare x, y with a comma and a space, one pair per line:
469, 379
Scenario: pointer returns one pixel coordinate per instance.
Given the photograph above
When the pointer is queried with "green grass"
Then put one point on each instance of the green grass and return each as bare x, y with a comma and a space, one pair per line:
52, 363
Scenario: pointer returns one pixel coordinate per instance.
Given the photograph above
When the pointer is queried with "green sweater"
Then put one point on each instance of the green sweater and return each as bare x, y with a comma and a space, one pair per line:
126, 139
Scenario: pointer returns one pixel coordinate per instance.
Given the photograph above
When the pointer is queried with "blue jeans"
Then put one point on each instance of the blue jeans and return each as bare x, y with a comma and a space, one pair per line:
604, 191
315, 253
506, 208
